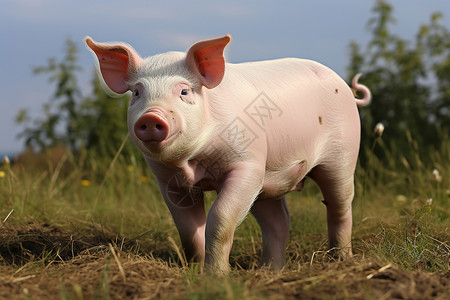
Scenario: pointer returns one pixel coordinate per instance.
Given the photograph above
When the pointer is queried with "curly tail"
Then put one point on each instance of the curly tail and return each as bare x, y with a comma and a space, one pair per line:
363, 89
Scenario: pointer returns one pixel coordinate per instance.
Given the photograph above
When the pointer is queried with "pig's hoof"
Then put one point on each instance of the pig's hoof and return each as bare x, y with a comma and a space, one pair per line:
340, 253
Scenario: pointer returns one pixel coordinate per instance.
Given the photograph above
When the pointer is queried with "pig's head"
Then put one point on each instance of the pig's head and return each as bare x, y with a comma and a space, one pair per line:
167, 114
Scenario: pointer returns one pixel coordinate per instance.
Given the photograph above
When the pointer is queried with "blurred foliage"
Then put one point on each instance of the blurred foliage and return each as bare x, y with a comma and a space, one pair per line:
409, 80
96, 123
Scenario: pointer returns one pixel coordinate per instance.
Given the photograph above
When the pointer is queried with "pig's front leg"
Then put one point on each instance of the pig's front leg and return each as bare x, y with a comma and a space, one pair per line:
188, 212
233, 202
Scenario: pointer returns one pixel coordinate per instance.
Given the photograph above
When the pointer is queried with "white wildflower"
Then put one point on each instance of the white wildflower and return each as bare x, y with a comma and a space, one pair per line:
379, 128
6, 160
437, 176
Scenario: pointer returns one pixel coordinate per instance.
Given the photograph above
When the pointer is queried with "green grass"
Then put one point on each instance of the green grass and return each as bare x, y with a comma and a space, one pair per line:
117, 201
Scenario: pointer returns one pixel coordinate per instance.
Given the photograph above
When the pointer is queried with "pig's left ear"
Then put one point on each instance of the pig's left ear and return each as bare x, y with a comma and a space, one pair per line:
117, 62
206, 59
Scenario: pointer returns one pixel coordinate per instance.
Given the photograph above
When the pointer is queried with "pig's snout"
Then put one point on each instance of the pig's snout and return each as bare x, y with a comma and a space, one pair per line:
151, 127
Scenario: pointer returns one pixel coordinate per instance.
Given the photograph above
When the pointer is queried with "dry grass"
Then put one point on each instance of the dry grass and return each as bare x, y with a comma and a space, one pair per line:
83, 228
109, 273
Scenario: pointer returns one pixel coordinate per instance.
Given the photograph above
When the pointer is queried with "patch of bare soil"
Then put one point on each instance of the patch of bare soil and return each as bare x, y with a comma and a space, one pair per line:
89, 268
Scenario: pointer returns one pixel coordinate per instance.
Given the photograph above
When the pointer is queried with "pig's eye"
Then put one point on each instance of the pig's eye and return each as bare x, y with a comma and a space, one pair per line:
137, 92
185, 93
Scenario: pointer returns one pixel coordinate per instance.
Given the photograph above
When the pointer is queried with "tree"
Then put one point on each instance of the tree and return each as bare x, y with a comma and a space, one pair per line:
96, 123
410, 80
62, 106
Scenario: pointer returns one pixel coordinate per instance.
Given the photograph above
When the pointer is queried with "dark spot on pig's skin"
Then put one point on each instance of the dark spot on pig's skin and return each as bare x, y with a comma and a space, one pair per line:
320, 120
336, 91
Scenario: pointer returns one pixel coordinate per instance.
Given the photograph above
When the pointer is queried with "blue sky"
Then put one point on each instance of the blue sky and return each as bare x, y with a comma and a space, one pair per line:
31, 31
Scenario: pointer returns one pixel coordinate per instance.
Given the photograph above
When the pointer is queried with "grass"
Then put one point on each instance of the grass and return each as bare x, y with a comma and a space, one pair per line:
105, 219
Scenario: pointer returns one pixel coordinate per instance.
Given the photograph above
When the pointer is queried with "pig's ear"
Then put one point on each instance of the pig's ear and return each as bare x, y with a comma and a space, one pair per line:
117, 62
206, 59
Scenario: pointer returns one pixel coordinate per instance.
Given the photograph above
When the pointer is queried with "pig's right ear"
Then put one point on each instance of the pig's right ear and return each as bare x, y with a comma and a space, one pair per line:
206, 59
116, 61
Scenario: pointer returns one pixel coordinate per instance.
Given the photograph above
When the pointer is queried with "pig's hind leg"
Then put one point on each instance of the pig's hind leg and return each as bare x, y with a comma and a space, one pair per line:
337, 186
273, 218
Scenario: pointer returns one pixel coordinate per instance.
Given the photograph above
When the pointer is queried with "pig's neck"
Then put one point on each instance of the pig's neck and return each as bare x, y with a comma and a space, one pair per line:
208, 169
212, 154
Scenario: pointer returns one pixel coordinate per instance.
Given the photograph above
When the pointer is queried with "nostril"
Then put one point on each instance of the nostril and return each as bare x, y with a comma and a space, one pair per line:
151, 127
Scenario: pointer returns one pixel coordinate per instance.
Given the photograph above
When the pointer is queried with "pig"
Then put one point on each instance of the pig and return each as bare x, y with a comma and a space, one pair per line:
250, 131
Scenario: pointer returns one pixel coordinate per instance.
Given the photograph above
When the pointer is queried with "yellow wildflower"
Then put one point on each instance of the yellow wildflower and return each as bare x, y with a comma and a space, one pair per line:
144, 179
2, 174
85, 182
400, 199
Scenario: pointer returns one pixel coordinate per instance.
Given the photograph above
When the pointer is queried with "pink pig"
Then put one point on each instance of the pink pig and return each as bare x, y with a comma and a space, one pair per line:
250, 131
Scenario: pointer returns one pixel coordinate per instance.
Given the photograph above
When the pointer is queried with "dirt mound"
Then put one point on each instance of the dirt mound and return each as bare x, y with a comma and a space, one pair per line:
22, 244
91, 276
85, 267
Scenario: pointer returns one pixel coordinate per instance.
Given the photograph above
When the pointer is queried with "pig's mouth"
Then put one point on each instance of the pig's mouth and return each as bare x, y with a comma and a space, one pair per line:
156, 146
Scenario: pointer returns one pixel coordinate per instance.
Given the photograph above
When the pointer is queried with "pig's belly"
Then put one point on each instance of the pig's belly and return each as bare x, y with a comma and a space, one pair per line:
278, 182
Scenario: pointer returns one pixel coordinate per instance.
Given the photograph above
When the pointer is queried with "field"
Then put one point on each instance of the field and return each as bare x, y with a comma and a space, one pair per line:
95, 228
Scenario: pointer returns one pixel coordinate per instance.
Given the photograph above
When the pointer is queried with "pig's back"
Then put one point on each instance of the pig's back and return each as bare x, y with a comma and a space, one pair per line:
303, 108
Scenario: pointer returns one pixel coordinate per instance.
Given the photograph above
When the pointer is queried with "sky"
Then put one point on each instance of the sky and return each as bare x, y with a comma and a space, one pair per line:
32, 31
